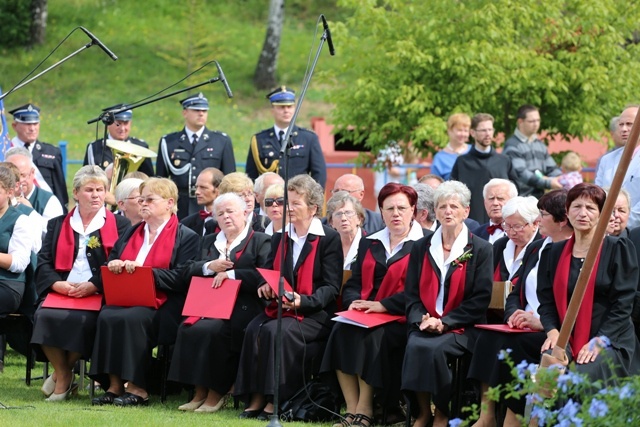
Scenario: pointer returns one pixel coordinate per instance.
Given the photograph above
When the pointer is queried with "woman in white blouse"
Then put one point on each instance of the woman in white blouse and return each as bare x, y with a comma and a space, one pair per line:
346, 215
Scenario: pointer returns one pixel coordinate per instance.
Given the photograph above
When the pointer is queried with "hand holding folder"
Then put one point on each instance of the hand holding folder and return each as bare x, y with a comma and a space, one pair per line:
204, 300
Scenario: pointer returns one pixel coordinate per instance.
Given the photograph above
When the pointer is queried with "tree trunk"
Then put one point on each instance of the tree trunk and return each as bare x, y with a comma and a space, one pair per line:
38, 21
265, 75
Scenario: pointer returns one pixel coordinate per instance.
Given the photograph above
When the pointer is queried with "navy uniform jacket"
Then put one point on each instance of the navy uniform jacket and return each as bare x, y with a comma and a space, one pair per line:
48, 160
179, 160
306, 155
93, 156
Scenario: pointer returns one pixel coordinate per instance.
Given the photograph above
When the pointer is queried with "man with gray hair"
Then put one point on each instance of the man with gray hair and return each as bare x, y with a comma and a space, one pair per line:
354, 185
425, 209
495, 193
42, 201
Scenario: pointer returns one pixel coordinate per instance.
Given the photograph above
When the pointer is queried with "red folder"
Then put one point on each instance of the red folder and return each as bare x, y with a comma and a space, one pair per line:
273, 278
137, 289
504, 328
212, 303
56, 300
365, 320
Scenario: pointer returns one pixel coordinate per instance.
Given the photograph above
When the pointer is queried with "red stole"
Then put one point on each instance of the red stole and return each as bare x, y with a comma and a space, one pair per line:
160, 254
66, 240
392, 283
304, 284
430, 285
582, 329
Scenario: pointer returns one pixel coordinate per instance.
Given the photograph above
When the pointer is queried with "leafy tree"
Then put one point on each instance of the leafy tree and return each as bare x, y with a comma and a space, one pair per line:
409, 64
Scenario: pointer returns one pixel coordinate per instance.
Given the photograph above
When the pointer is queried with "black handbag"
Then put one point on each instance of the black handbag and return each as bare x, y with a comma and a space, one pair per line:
314, 403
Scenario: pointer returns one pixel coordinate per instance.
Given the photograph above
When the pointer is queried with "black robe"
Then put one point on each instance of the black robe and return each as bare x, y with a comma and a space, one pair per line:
207, 352
425, 366
302, 340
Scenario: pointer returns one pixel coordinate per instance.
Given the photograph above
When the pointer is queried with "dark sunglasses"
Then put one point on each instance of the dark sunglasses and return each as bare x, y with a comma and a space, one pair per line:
270, 201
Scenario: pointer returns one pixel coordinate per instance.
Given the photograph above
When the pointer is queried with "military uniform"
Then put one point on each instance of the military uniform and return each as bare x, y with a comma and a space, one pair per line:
93, 156
183, 161
305, 155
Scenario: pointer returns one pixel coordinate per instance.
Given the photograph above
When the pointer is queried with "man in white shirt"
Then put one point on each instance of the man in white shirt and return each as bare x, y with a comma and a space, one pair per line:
42, 201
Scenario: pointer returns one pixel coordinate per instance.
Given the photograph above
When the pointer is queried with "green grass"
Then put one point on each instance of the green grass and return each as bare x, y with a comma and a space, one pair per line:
28, 407
159, 42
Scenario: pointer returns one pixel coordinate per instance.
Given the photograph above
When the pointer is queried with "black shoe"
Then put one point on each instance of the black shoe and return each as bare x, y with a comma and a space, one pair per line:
105, 399
130, 399
250, 414
264, 416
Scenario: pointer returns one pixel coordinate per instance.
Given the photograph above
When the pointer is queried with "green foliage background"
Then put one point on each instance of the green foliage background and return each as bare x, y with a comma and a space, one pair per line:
409, 64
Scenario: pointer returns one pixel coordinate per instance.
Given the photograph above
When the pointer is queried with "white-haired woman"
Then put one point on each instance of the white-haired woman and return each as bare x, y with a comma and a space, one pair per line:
520, 217
127, 195
620, 215
207, 350
273, 206
346, 215
447, 291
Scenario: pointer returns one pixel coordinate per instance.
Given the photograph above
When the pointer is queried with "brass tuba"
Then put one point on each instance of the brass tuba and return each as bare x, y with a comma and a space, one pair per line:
127, 157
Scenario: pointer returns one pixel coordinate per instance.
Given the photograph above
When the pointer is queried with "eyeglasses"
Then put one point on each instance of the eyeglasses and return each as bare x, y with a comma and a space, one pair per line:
148, 200
269, 201
401, 209
336, 190
246, 194
484, 130
516, 227
348, 214
137, 198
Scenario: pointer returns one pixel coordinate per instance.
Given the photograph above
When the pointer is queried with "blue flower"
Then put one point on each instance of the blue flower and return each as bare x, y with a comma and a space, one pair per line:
455, 422
568, 413
541, 415
598, 408
533, 398
626, 392
521, 369
568, 379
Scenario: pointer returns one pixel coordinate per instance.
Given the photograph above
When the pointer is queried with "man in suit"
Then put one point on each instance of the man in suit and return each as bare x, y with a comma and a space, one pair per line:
354, 185
119, 130
305, 152
183, 155
46, 158
202, 222
42, 201
495, 193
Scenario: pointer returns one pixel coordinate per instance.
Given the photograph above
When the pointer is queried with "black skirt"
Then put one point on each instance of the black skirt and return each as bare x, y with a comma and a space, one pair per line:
425, 368
302, 342
70, 330
207, 354
375, 355
126, 336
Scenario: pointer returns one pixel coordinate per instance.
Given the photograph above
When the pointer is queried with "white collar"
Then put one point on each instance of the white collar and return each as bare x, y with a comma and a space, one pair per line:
96, 223
353, 249
314, 228
221, 240
457, 249
190, 133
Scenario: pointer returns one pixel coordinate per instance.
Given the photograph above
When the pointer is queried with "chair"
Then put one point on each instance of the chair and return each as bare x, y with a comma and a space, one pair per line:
22, 321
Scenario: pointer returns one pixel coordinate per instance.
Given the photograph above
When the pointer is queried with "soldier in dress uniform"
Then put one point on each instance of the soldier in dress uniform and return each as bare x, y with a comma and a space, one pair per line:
305, 154
183, 155
46, 157
118, 130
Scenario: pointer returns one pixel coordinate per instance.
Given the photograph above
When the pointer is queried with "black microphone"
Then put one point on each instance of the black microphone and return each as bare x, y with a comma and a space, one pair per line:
224, 81
95, 40
332, 50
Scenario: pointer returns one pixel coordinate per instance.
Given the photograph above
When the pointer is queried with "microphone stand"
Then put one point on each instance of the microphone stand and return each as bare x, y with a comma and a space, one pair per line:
108, 117
87, 46
285, 152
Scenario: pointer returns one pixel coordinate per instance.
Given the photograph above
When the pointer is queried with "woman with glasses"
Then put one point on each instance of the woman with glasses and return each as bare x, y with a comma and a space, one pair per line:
607, 304
346, 215
520, 217
447, 291
240, 184
75, 247
273, 206
521, 312
312, 265
207, 351
367, 361
126, 336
